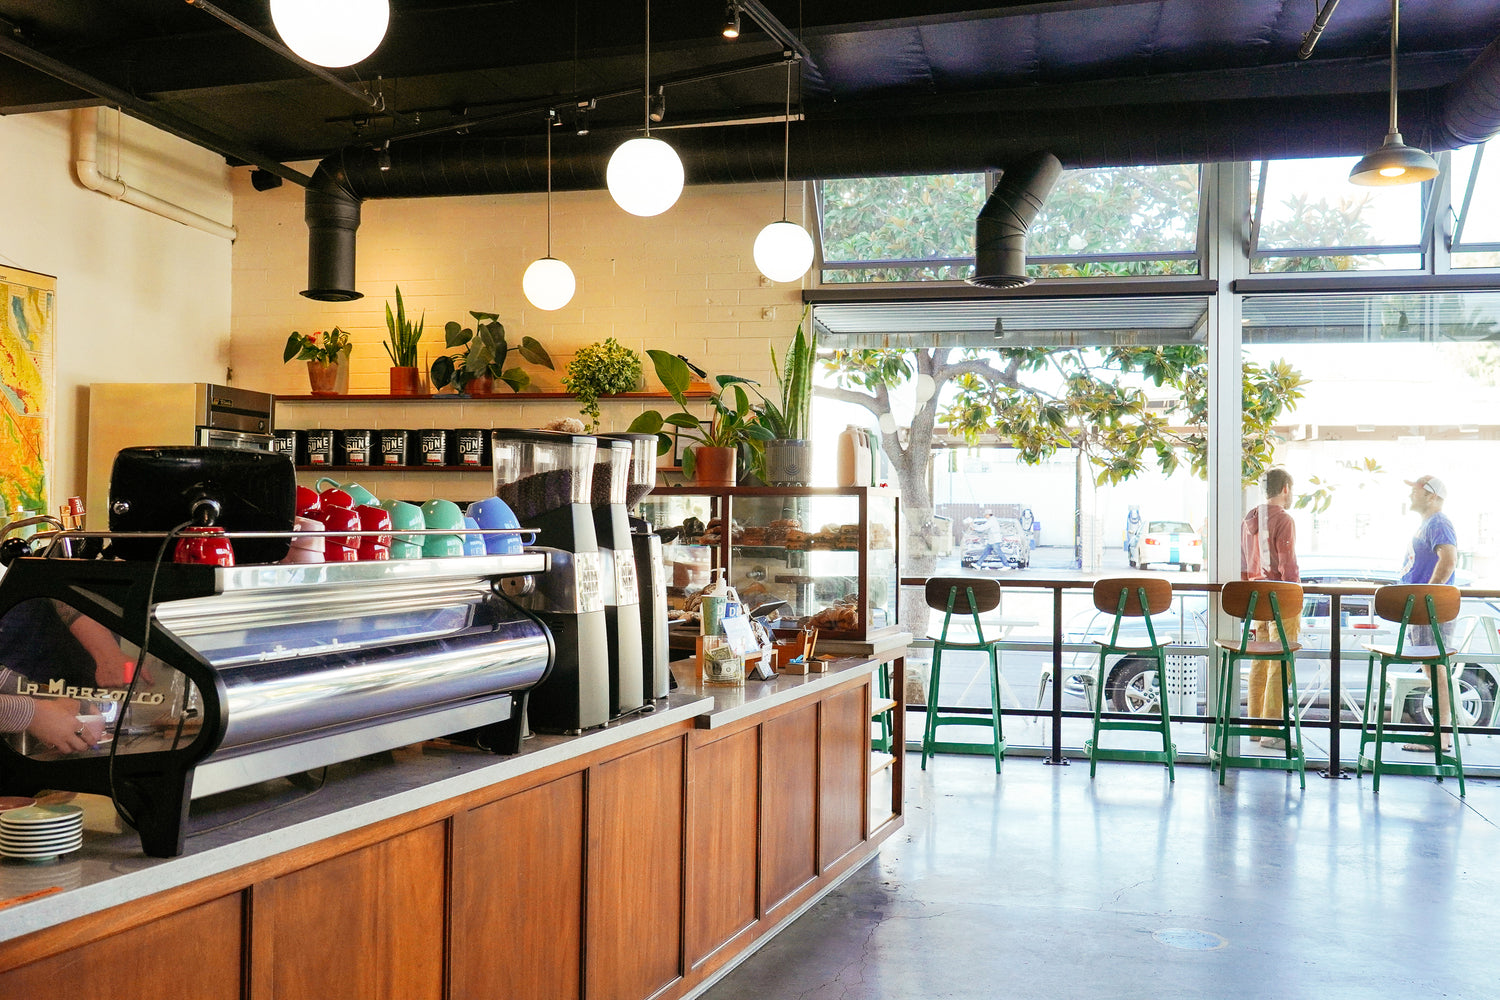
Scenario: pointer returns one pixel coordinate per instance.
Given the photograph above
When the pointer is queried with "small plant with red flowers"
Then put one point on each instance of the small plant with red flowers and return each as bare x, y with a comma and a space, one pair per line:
317, 346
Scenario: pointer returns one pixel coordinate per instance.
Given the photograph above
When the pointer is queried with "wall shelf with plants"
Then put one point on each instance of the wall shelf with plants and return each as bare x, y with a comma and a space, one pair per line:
372, 397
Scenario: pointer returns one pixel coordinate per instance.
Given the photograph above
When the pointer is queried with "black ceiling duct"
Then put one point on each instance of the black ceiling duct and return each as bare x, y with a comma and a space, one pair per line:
1000, 229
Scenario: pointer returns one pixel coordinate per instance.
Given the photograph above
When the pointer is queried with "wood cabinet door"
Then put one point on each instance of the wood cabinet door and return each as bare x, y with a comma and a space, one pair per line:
844, 778
722, 841
368, 925
635, 823
517, 927
789, 807
193, 953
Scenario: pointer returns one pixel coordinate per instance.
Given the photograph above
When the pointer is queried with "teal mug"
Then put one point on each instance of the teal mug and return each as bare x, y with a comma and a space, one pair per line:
442, 514
362, 496
405, 517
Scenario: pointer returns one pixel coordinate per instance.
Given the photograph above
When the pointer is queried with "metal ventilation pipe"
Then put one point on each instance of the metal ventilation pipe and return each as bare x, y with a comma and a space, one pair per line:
331, 210
1000, 229
1470, 110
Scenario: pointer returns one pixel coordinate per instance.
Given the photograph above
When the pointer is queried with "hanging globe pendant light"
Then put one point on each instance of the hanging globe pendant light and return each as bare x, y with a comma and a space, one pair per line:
644, 175
784, 251
548, 282
331, 32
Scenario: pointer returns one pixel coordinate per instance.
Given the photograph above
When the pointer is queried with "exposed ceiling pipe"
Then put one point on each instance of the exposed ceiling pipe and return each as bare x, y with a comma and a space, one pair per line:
1000, 230
86, 166
1471, 104
1316, 31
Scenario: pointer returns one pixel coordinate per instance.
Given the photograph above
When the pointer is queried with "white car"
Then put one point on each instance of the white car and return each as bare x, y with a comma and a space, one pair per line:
1172, 543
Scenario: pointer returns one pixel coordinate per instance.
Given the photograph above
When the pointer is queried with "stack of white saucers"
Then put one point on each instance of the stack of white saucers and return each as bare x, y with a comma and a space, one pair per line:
40, 833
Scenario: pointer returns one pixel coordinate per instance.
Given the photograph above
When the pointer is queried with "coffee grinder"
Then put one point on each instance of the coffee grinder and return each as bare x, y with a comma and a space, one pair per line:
650, 567
545, 478
617, 576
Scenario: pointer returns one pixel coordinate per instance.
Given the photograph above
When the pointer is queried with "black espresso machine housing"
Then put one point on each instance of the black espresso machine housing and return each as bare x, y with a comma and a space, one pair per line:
258, 671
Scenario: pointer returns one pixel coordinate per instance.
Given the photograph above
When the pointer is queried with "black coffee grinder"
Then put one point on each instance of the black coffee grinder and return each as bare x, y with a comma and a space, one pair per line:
545, 478
650, 567
617, 575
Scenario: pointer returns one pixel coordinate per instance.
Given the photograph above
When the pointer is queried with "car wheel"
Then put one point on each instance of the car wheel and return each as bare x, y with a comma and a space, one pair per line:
1134, 687
1476, 699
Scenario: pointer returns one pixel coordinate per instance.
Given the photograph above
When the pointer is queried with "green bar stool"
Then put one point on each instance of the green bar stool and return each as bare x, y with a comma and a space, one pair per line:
971, 596
1132, 597
1258, 601
1427, 605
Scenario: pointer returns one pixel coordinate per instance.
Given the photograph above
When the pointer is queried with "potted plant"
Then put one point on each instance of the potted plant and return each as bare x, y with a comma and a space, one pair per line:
401, 344
601, 370
482, 361
322, 352
731, 422
786, 459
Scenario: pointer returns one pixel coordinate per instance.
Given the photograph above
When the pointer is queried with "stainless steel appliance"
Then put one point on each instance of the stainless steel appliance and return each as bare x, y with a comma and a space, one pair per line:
622, 613
128, 414
255, 672
650, 568
544, 477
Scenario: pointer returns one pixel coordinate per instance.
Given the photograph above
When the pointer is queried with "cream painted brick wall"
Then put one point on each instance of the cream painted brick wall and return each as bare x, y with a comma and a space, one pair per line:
683, 281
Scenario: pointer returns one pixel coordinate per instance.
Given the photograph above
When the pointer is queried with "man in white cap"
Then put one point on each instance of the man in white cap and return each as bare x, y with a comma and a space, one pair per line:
1431, 559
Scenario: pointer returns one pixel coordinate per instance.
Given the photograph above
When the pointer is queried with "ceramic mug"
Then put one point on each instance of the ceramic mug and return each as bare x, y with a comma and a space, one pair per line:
374, 547
492, 512
307, 500
338, 547
357, 493
442, 514
204, 546
307, 544
473, 542
405, 517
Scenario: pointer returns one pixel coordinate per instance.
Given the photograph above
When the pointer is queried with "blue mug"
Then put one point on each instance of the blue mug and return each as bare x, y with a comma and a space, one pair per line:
473, 542
492, 512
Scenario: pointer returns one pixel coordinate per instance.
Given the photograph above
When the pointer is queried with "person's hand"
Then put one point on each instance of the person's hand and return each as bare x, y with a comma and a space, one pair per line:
54, 721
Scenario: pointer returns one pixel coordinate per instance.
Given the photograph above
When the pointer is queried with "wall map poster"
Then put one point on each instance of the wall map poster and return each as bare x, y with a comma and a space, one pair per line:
28, 332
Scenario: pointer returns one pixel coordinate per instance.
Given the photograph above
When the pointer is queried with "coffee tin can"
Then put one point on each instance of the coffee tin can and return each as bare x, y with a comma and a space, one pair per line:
291, 443
320, 447
396, 447
435, 447
356, 447
472, 445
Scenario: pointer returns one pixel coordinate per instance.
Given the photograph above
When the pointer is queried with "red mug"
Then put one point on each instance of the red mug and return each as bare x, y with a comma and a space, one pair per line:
374, 547
203, 546
333, 497
338, 548
307, 499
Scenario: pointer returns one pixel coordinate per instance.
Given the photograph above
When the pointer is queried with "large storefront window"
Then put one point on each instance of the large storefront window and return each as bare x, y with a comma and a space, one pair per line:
1308, 217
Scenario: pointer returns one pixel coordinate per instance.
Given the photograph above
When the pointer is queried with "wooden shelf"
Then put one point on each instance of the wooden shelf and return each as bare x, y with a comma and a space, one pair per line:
394, 468
375, 397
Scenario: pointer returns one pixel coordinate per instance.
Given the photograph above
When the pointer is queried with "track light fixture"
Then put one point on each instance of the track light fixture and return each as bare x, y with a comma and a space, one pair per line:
383, 156
1394, 162
784, 250
548, 282
644, 175
732, 21
657, 110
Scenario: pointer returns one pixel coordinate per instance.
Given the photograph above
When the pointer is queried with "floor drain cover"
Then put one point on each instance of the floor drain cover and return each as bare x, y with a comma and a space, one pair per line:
1189, 940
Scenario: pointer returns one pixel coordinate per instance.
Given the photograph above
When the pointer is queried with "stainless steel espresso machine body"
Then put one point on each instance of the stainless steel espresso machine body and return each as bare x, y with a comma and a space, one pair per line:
617, 573
254, 672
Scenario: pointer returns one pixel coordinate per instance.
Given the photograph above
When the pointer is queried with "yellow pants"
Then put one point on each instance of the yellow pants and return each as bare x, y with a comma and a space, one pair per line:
1265, 675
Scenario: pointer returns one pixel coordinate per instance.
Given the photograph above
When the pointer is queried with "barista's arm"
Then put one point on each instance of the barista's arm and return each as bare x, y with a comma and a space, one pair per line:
110, 662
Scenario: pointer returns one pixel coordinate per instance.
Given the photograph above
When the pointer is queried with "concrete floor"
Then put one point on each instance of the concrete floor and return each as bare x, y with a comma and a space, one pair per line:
1040, 883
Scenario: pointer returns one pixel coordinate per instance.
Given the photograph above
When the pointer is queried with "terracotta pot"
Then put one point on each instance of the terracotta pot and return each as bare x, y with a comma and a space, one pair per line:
323, 376
405, 381
480, 385
714, 466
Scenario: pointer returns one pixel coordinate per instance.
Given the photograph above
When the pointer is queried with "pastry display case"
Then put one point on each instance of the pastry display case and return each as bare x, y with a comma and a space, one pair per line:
831, 553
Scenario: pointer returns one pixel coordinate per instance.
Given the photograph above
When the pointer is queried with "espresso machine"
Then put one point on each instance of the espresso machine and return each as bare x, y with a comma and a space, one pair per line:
650, 567
617, 576
545, 478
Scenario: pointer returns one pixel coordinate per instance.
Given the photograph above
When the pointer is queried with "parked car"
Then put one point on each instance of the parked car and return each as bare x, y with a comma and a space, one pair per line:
1132, 684
1170, 543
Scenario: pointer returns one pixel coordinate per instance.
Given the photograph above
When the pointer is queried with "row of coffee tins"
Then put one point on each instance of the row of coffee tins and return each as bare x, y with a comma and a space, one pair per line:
468, 446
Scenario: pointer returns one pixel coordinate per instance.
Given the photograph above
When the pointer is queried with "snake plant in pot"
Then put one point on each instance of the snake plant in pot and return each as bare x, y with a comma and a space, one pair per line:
786, 458
730, 423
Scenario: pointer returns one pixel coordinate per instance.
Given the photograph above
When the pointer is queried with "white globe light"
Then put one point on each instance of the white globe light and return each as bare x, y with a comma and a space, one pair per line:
783, 251
548, 283
331, 32
644, 176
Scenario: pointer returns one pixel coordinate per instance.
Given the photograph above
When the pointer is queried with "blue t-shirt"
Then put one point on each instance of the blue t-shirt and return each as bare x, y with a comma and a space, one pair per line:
1421, 557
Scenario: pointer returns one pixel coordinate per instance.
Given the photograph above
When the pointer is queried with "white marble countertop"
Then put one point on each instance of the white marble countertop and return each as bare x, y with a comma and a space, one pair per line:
246, 825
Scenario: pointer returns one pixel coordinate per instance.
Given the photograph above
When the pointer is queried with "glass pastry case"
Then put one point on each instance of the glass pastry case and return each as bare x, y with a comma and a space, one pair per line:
831, 553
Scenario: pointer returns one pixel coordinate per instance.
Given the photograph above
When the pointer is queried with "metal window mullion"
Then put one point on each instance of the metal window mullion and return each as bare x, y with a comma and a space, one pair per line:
1463, 213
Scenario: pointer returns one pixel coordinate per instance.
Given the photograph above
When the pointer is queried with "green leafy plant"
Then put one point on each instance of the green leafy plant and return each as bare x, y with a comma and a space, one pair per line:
601, 370
316, 346
484, 353
790, 415
402, 334
732, 420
